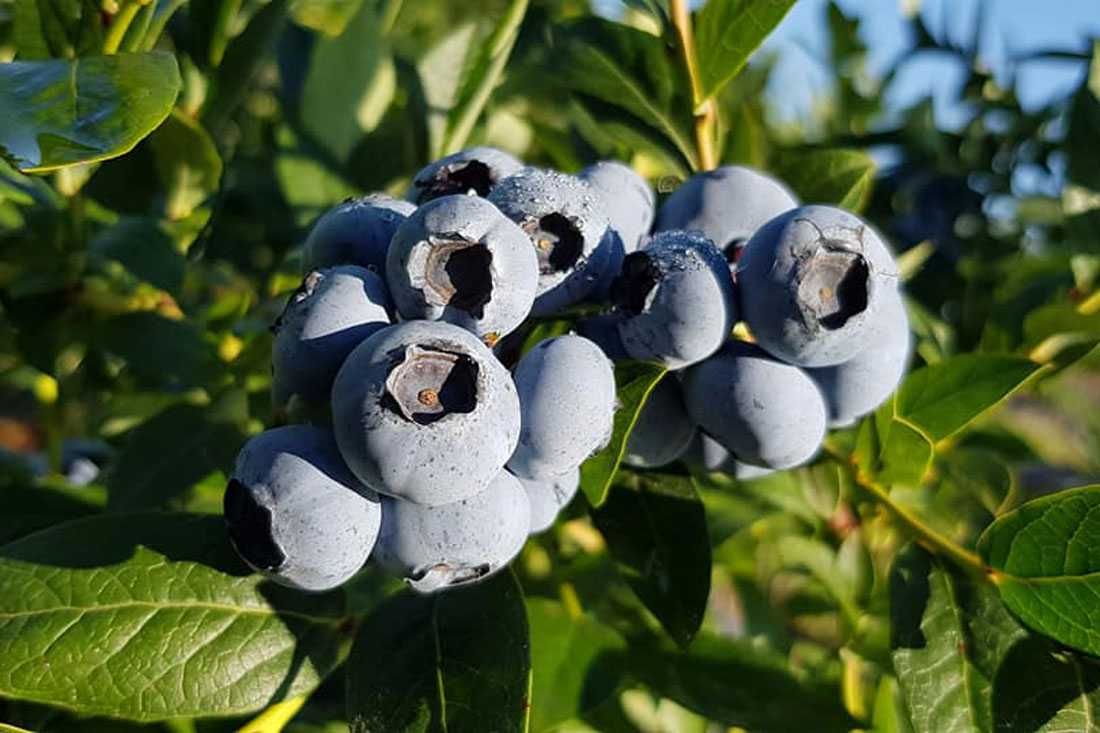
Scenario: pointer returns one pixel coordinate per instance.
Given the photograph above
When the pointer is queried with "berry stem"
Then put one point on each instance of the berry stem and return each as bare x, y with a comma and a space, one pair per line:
119, 24
923, 534
702, 109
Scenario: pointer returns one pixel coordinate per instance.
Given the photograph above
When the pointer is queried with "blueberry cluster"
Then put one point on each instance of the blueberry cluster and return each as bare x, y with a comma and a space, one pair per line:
418, 447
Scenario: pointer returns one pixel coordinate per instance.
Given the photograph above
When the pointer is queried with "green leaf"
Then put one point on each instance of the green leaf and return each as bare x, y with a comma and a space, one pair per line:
479, 73
576, 663
727, 32
892, 450
1040, 688
144, 247
160, 350
656, 530
458, 660
1046, 565
330, 17
943, 398
1084, 119
350, 84
309, 186
60, 112
187, 162
840, 177
736, 682
949, 636
167, 455
629, 69
31, 508
634, 381
152, 616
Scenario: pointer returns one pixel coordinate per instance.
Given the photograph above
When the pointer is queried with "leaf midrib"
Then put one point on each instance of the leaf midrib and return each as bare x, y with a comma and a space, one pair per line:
204, 606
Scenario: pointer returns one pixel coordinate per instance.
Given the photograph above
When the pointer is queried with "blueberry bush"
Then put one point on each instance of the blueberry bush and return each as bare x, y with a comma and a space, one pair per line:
508, 366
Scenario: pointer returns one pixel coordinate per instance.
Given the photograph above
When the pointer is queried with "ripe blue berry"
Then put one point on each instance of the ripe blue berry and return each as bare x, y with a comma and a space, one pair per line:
295, 513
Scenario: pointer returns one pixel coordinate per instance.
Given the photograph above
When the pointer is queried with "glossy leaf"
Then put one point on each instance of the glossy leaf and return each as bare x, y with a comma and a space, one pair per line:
656, 531
152, 616
839, 177
737, 683
61, 112
727, 32
349, 85
629, 69
1045, 557
458, 660
943, 398
634, 381
576, 663
949, 636
167, 455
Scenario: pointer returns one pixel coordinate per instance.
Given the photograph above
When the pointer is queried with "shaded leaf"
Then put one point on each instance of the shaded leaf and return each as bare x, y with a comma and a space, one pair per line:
187, 162
152, 616
727, 32
145, 248
28, 509
350, 84
634, 380
458, 660
576, 663
735, 682
159, 350
1045, 557
167, 455
656, 531
60, 112
1040, 688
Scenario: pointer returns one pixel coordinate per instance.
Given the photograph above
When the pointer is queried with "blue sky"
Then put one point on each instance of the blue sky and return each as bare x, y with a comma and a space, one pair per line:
1011, 28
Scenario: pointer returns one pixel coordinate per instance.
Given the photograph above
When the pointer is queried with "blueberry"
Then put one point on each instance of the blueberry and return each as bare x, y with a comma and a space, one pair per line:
813, 285
603, 330
768, 413
548, 497
856, 387
327, 316
663, 431
727, 205
440, 547
567, 399
423, 411
294, 511
708, 455
566, 221
628, 200
357, 232
472, 171
459, 260
677, 300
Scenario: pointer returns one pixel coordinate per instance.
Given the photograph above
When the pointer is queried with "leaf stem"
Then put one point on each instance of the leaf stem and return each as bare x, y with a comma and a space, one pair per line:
908, 519
119, 26
703, 110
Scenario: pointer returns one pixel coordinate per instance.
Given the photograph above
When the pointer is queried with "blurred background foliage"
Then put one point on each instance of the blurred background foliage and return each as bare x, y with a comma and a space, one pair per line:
136, 292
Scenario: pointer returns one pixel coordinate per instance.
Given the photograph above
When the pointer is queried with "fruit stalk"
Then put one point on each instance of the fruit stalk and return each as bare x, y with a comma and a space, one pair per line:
703, 109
